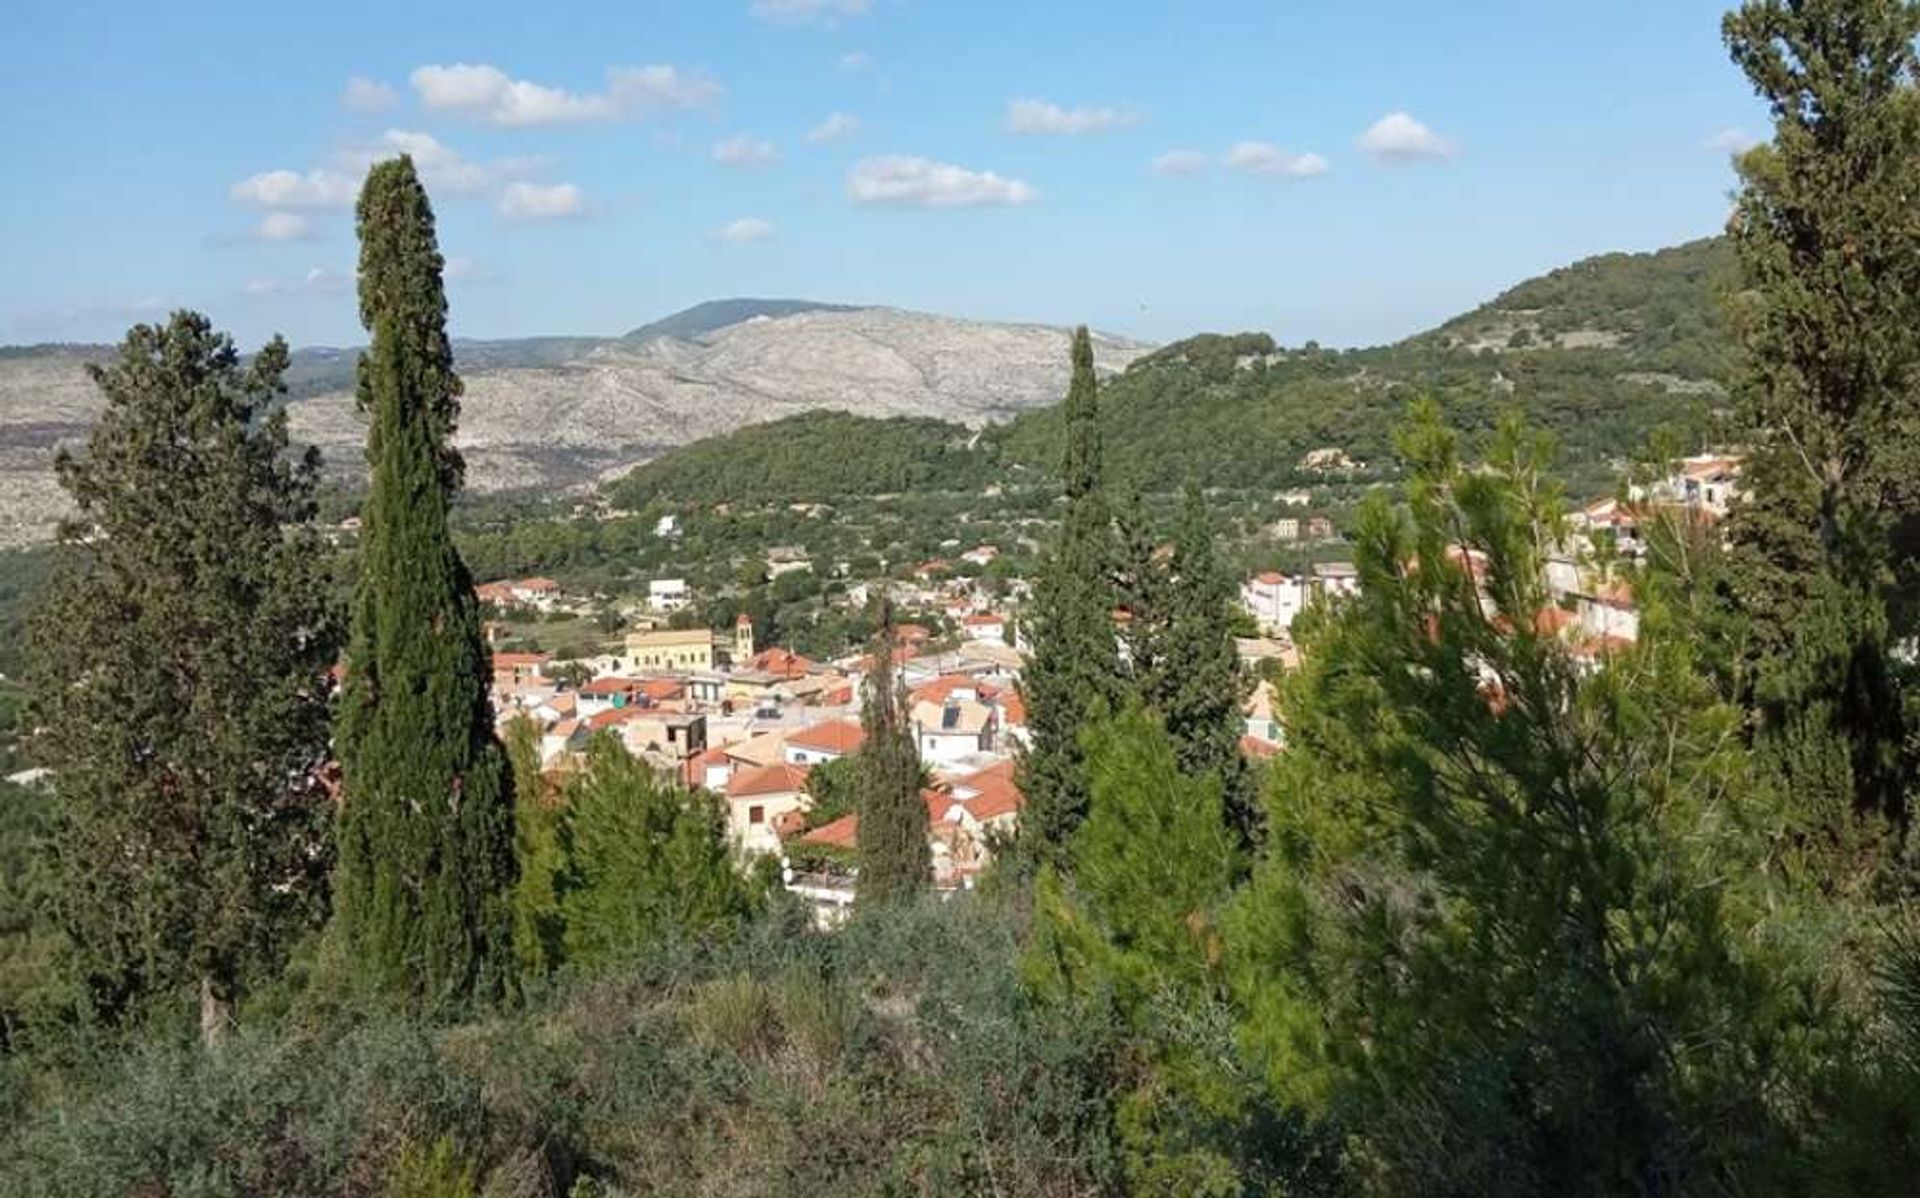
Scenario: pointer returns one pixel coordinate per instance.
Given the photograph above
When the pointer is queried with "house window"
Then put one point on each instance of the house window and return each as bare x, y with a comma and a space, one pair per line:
756, 815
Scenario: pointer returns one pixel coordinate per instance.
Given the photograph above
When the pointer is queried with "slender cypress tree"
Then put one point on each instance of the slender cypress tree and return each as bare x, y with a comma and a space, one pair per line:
426, 833
1198, 685
894, 859
1829, 245
1075, 658
180, 678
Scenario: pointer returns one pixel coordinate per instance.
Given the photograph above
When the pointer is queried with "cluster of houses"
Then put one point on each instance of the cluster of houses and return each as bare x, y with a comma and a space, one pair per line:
750, 724
1591, 605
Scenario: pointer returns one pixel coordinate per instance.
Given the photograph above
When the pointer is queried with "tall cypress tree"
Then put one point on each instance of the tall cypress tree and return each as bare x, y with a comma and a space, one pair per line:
894, 859
1074, 658
179, 671
1829, 244
1198, 687
426, 833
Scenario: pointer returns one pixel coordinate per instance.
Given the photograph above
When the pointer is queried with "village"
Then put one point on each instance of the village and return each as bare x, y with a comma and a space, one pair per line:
755, 724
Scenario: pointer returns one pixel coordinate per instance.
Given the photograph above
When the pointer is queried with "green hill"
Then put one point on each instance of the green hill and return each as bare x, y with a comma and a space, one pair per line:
812, 456
1600, 353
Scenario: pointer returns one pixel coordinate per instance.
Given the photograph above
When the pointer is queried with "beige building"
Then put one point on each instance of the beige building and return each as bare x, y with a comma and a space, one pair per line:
689, 650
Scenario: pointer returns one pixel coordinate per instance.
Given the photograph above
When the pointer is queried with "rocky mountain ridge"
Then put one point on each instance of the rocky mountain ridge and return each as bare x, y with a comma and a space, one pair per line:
566, 412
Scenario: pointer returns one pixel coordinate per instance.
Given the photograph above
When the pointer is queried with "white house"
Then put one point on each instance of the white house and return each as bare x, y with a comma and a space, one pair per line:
668, 594
823, 742
951, 731
985, 626
757, 801
667, 527
1274, 599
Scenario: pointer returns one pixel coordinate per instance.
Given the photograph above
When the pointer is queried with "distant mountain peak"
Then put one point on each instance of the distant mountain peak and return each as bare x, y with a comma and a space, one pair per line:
690, 324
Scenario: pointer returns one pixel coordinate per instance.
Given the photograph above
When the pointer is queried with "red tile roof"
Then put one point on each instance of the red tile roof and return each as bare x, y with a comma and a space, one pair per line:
611, 686
503, 660
1013, 708
996, 791
1253, 746
833, 736
841, 833
778, 778
941, 689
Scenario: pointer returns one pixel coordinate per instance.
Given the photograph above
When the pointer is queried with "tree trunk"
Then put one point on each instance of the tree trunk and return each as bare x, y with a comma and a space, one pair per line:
216, 1014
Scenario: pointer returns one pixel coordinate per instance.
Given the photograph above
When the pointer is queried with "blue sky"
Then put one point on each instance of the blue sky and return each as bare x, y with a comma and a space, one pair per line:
1349, 173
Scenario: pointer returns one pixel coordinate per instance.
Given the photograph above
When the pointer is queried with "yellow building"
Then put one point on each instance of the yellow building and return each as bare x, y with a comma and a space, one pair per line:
688, 649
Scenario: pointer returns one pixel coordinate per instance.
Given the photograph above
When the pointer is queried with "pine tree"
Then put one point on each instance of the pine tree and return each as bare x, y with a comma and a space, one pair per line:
648, 860
1512, 924
426, 833
1199, 682
179, 669
1829, 242
1074, 659
895, 864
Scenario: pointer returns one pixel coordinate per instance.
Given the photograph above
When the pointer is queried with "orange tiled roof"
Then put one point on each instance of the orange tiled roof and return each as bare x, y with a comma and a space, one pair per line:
840, 833
778, 778
832, 736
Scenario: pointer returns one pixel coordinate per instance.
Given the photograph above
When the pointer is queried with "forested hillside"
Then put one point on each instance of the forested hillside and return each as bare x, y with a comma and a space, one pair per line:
1600, 353
812, 456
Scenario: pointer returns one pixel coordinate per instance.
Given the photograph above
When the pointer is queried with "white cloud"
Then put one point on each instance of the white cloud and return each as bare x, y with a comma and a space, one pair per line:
460, 268
1265, 158
747, 228
1040, 116
1397, 137
639, 90
442, 168
367, 95
541, 201
800, 12
745, 150
1732, 141
923, 183
290, 189
1180, 162
283, 226
317, 280
836, 126
856, 60
485, 92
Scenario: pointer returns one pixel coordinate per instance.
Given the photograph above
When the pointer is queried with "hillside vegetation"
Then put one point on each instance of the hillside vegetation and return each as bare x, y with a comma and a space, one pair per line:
1600, 354
812, 456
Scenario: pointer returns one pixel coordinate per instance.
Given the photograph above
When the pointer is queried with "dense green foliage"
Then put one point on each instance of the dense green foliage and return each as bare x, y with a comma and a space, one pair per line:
1195, 683
1829, 245
179, 679
1222, 412
812, 456
1529, 914
895, 864
1074, 659
647, 861
1514, 927
896, 1056
539, 855
426, 831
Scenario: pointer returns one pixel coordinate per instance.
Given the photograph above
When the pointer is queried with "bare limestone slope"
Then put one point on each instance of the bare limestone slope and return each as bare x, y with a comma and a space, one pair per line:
615, 404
